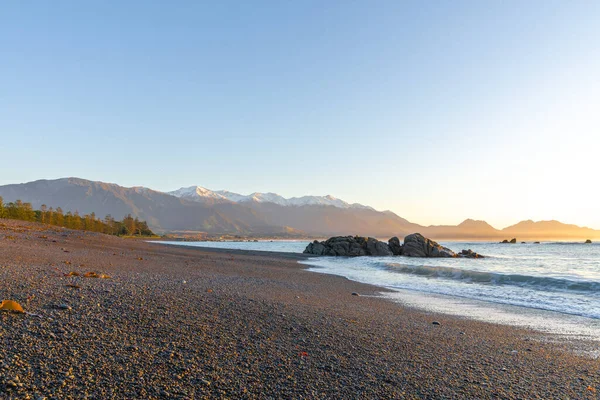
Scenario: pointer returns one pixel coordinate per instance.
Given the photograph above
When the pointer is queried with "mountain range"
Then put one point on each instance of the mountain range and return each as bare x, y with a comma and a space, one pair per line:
196, 209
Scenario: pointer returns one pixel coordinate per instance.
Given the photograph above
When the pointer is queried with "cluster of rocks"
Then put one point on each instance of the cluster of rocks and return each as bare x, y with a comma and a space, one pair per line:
349, 246
415, 245
514, 240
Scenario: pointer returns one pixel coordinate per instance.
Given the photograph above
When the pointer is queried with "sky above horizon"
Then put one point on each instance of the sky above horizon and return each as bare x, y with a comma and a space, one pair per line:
438, 111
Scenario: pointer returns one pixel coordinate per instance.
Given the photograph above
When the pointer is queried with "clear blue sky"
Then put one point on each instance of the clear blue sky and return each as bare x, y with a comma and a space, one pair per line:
438, 110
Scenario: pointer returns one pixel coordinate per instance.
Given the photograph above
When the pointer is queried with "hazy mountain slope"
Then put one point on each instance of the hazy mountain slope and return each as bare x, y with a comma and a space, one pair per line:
163, 212
204, 195
468, 229
548, 230
330, 220
202, 210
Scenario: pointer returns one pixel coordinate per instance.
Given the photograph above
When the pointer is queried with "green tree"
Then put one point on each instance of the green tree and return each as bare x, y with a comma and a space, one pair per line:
24, 211
129, 224
59, 218
76, 220
43, 211
28, 213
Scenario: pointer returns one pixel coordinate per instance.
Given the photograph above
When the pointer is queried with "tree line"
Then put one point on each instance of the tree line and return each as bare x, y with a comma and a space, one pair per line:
128, 226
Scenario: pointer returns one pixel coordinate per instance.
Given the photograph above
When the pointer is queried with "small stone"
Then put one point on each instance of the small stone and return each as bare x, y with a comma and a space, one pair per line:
435, 323
64, 307
355, 294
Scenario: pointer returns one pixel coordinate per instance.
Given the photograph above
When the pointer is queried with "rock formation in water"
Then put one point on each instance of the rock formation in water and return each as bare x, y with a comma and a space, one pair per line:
395, 246
469, 254
349, 246
415, 245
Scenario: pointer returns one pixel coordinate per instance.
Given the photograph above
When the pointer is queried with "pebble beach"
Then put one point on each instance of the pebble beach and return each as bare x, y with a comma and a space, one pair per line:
152, 321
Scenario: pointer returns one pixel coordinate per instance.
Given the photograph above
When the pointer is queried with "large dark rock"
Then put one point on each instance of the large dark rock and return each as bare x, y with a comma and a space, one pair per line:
588, 241
349, 246
416, 245
395, 246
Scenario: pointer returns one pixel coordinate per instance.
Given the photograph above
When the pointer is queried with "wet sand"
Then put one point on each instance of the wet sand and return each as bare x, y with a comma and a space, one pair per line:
175, 322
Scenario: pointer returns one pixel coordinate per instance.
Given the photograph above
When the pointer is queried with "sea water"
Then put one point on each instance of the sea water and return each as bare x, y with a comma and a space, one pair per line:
560, 278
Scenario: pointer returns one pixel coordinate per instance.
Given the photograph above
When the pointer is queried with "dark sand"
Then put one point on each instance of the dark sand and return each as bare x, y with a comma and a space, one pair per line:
188, 323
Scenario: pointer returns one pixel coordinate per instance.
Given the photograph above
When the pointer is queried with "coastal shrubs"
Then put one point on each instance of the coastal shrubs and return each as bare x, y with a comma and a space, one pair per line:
128, 226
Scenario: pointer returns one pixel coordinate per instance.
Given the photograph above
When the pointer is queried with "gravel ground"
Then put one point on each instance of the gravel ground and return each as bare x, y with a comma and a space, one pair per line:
187, 323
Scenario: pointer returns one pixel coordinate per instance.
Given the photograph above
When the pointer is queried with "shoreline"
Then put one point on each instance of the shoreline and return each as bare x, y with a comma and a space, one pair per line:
558, 326
190, 323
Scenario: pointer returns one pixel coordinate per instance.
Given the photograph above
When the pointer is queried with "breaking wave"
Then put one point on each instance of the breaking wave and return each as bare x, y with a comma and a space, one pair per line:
495, 278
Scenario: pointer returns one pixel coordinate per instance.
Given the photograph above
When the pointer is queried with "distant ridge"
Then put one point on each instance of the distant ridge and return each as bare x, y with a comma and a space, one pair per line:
198, 209
201, 194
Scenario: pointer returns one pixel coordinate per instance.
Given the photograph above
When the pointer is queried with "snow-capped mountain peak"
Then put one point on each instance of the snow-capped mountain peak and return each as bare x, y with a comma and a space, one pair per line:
199, 193
268, 198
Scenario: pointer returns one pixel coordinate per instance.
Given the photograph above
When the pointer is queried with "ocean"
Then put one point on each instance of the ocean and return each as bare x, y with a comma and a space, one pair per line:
554, 285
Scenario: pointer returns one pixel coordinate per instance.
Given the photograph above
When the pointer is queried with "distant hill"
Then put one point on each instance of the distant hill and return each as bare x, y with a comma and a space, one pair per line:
327, 220
548, 230
468, 229
201, 194
197, 209
162, 212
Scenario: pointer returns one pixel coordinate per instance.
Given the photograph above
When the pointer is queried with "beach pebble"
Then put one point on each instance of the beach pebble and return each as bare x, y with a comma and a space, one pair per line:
435, 323
249, 339
355, 294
